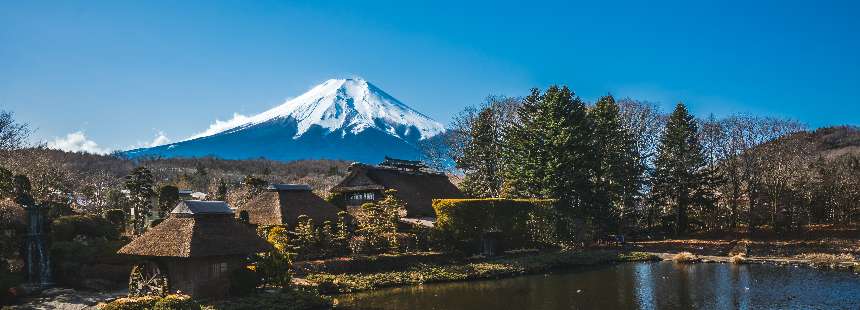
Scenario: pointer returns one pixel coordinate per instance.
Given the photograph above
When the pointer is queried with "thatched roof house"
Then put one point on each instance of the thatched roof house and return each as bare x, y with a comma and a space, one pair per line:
414, 183
282, 204
195, 248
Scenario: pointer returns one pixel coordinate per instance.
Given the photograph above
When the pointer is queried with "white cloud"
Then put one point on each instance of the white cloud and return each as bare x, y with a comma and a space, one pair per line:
160, 139
77, 142
219, 125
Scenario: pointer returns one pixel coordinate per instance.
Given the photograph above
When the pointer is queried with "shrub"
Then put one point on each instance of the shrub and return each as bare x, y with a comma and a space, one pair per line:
66, 228
8, 280
520, 222
274, 267
169, 302
377, 225
685, 257
57, 209
739, 259
115, 216
243, 281
176, 302
131, 303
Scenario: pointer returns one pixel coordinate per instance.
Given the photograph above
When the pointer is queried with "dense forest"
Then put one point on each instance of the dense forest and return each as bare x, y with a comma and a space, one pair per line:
624, 166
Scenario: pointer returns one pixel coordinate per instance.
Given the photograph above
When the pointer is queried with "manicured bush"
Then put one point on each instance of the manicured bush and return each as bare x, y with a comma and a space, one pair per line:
66, 228
462, 222
115, 217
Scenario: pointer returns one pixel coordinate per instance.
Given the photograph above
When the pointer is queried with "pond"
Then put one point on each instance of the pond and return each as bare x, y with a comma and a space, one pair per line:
655, 285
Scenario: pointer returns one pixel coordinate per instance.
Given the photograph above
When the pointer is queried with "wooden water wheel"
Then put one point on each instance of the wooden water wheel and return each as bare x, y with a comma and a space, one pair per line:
148, 279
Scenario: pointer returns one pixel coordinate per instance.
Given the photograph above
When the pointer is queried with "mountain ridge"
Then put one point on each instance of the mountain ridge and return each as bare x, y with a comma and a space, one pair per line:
349, 119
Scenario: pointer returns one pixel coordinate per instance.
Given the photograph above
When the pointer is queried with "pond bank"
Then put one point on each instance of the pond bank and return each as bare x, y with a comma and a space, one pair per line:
537, 262
475, 269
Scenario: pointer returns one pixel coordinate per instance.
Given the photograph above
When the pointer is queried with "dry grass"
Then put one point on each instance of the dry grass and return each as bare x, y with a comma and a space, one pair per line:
685, 257
739, 259
824, 258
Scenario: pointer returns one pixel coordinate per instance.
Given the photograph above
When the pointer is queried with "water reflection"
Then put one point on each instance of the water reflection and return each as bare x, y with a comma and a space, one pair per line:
662, 285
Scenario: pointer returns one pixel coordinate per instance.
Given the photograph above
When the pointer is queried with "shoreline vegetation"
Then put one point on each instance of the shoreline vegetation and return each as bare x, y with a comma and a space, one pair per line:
536, 262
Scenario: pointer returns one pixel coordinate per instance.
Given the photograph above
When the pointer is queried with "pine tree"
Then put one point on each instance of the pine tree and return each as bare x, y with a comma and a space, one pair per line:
221, 191
168, 197
619, 170
139, 185
550, 152
681, 180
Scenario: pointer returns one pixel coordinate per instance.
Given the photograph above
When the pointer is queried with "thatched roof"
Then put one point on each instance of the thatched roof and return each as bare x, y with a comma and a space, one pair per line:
284, 203
198, 229
416, 188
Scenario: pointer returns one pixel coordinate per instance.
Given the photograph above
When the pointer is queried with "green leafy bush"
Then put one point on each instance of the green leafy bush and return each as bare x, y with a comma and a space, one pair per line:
66, 228
243, 281
115, 217
519, 222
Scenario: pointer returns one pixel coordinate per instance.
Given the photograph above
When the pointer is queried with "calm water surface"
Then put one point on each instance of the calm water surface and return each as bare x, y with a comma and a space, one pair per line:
660, 285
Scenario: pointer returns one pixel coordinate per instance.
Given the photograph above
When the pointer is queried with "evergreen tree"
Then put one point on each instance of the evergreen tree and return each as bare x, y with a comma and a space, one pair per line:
549, 151
221, 191
6, 183
480, 159
619, 169
681, 180
168, 197
22, 190
139, 185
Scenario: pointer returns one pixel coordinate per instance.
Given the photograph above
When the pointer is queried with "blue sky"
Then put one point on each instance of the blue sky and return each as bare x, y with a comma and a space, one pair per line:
123, 72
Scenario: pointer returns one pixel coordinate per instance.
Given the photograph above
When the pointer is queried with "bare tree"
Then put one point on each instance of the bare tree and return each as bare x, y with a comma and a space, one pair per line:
13, 135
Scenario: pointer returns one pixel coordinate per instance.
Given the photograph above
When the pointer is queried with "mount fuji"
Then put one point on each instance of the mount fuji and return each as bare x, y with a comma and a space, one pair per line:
349, 119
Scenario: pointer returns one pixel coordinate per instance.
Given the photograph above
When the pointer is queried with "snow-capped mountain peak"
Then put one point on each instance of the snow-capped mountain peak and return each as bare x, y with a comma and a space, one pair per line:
351, 105
347, 119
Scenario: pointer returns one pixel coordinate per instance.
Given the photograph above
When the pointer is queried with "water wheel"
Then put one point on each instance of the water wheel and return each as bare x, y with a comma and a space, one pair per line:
148, 279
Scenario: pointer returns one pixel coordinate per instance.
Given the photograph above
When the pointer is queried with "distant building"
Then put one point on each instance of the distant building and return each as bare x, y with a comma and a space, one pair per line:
193, 250
282, 204
415, 184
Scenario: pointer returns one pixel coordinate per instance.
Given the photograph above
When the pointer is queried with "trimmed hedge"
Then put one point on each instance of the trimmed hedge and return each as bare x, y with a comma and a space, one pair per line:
65, 228
518, 222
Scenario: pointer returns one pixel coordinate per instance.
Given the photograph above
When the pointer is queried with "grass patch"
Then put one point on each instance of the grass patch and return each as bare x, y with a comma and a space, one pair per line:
824, 258
739, 259
285, 299
484, 269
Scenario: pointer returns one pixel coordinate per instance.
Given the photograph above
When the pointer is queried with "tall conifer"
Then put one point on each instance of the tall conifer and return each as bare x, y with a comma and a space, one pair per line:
549, 151
681, 179
618, 178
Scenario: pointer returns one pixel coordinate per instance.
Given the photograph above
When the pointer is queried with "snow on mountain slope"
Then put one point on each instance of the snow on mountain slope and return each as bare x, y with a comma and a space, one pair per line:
348, 103
338, 119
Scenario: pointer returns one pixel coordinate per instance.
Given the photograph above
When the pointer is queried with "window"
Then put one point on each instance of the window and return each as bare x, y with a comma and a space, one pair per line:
217, 270
363, 196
